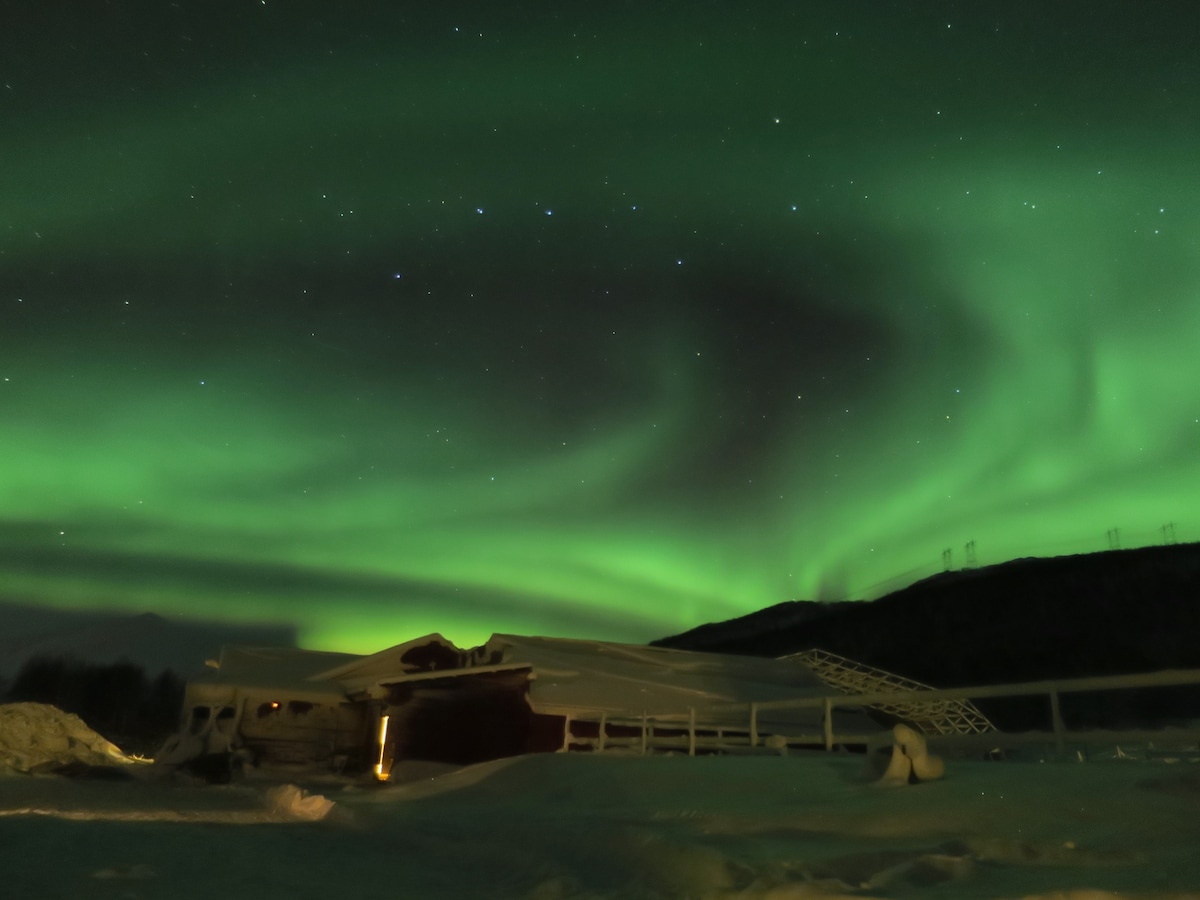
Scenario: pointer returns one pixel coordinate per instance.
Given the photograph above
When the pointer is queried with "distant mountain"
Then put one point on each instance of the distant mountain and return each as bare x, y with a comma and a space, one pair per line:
151, 641
1116, 612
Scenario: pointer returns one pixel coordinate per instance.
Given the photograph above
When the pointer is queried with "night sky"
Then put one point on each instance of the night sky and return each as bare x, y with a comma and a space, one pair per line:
588, 320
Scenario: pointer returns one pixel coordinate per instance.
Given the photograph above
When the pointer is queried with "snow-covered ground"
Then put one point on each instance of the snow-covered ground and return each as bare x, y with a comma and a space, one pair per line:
584, 826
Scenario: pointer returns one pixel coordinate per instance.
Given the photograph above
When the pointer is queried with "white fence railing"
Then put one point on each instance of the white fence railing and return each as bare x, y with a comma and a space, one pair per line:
713, 727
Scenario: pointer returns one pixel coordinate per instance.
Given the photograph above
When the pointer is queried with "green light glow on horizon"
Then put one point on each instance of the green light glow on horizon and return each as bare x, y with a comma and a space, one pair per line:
604, 336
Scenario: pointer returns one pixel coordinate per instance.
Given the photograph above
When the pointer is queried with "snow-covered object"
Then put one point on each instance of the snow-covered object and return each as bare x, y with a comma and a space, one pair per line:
292, 802
925, 766
135, 872
910, 760
37, 737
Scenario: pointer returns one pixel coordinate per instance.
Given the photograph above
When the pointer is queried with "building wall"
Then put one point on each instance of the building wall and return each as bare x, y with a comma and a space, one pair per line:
280, 730
278, 726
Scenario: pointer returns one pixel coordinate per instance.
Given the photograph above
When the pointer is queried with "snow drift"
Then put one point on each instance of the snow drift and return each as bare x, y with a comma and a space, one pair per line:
37, 738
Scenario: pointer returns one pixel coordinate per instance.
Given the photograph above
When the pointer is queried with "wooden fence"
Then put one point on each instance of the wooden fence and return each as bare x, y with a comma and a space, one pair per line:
715, 728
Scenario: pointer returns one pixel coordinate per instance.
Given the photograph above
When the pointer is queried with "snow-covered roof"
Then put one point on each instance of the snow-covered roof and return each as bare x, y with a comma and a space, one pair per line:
273, 667
432, 651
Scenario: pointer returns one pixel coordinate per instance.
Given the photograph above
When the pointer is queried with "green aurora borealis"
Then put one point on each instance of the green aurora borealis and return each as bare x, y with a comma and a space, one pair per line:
598, 324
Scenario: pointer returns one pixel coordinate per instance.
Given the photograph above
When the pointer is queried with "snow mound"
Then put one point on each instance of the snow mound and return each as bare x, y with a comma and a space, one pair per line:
37, 738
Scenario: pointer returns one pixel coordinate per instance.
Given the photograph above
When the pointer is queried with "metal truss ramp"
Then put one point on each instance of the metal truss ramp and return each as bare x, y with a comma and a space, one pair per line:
927, 716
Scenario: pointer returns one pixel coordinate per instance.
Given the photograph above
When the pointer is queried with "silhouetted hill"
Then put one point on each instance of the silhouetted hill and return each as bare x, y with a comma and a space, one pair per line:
151, 641
716, 636
1104, 613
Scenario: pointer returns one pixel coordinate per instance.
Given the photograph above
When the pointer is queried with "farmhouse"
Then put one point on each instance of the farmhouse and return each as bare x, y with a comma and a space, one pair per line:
428, 699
